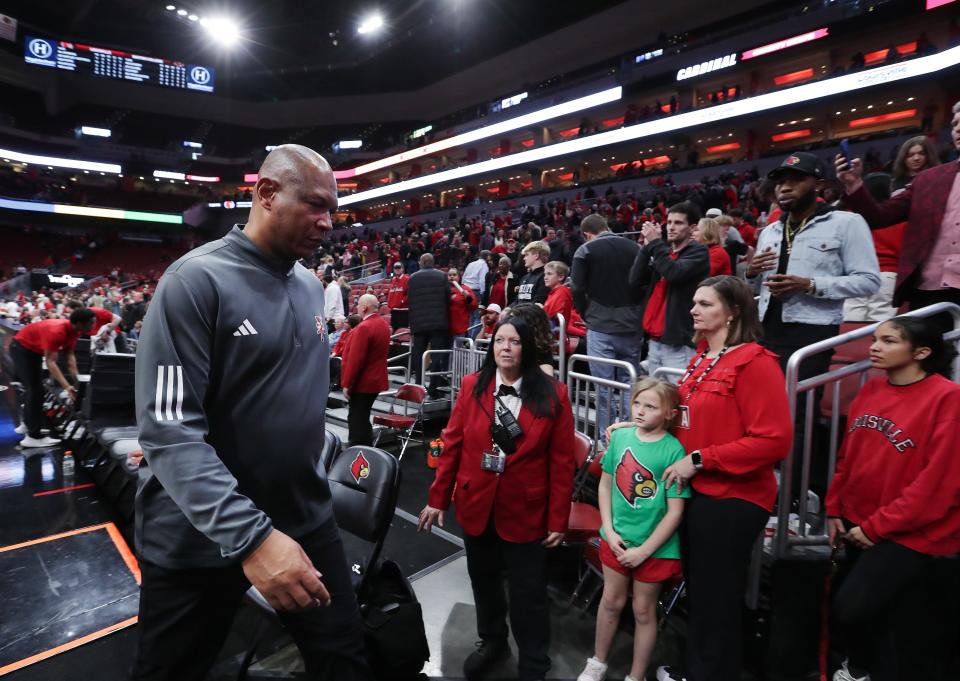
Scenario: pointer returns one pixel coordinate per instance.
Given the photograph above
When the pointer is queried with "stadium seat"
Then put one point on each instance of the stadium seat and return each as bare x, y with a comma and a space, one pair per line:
585, 521
331, 449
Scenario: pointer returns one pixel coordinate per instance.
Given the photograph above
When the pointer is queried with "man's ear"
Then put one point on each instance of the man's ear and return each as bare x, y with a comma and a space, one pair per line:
266, 190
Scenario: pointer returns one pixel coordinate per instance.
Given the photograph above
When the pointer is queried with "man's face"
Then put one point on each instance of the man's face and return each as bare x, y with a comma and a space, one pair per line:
678, 229
301, 212
490, 317
531, 260
795, 191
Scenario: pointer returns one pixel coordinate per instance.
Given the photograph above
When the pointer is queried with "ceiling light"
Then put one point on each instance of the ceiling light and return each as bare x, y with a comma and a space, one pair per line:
170, 8
225, 31
182, 12
371, 24
193, 17
910, 99
889, 103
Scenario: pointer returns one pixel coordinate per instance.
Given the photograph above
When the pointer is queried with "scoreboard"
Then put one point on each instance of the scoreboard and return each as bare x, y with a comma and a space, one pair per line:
116, 64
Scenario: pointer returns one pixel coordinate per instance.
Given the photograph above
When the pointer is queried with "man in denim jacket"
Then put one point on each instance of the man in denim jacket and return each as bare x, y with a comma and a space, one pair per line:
808, 263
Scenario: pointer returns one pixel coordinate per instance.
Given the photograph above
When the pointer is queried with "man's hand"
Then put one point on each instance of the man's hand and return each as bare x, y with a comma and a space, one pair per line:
680, 472
850, 176
858, 537
835, 531
786, 284
284, 575
429, 517
762, 262
553, 540
71, 393
651, 232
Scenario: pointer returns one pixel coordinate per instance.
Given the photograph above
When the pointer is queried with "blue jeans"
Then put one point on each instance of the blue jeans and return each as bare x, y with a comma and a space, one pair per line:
622, 346
474, 321
672, 356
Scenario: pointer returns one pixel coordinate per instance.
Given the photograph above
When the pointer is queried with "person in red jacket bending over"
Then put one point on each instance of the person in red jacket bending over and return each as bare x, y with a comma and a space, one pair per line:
895, 504
734, 422
364, 372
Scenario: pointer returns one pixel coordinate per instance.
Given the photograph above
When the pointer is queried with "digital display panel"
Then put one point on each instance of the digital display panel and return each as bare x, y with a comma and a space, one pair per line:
116, 64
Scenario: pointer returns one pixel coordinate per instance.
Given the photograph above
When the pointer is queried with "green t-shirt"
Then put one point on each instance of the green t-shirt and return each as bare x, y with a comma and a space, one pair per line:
638, 500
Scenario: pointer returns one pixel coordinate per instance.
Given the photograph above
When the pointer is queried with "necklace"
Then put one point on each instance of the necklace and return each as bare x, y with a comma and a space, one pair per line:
789, 234
706, 371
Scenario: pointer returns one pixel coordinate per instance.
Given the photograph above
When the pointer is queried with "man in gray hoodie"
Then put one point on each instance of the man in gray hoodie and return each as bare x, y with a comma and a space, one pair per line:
231, 386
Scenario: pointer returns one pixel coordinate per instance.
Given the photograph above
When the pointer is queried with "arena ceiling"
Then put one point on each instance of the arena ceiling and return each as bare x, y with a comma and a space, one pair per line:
309, 48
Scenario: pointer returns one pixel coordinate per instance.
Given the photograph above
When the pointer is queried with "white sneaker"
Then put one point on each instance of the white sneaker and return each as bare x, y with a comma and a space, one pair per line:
844, 674
594, 671
669, 674
21, 429
30, 442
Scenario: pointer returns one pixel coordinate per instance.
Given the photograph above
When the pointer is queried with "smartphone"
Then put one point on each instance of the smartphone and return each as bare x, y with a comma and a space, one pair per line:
845, 150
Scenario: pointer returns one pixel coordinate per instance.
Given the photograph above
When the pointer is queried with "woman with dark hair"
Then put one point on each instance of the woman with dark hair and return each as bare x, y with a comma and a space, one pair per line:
539, 322
895, 502
735, 423
508, 452
916, 155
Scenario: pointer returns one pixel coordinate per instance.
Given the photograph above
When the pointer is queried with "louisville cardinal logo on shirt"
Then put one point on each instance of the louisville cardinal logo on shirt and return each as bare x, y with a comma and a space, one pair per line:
360, 468
634, 480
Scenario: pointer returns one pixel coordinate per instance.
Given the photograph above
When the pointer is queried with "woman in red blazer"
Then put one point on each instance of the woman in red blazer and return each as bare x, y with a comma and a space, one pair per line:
512, 506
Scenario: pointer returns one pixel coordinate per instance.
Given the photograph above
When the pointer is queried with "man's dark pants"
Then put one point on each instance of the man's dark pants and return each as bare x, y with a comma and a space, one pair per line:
185, 616
28, 366
437, 340
358, 418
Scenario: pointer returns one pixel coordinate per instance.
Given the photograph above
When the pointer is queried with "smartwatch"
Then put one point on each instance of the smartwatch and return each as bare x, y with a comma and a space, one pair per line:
697, 459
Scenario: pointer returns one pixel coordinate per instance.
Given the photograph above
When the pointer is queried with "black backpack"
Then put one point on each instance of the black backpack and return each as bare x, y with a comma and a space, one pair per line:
393, 627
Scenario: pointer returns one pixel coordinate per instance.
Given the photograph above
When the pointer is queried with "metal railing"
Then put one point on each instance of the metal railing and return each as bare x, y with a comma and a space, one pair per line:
789, 536
465, 358
585, 390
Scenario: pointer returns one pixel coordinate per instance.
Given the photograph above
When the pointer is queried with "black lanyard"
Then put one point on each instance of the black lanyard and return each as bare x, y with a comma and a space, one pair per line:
706, 371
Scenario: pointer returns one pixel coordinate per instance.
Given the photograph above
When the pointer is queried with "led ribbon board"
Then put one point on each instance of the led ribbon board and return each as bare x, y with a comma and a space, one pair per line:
89, 211
526, 120
742, 107
76, 164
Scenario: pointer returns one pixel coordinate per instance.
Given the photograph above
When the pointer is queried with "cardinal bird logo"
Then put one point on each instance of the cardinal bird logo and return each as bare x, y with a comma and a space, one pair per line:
634, 480
360, 468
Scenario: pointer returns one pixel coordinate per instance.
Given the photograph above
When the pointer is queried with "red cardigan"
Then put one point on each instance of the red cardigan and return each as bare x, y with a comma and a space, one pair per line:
740, 422
364, 367
719, 260
532, 496
922, 204
898, 473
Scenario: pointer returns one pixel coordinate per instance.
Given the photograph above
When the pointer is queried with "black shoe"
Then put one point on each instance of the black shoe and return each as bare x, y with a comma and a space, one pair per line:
487, 654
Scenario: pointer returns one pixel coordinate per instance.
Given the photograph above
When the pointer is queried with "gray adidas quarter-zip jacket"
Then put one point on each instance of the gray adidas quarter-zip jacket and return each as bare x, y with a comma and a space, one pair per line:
232, 376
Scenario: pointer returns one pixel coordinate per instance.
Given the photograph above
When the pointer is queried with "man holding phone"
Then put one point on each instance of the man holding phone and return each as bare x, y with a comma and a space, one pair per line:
807, 263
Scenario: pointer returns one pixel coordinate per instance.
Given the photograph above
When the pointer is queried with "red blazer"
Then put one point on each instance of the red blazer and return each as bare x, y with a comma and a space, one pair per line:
921, 205
532, 496
364, 367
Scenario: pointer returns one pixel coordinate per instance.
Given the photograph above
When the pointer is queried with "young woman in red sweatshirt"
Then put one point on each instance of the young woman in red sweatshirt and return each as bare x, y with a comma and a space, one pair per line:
895, 500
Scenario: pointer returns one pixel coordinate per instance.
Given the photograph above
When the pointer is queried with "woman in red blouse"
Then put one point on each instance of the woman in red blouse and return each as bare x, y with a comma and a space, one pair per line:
735, 423
710, 234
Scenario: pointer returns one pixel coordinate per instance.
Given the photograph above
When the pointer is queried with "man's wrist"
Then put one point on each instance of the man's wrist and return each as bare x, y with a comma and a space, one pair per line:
696, 457
811, 286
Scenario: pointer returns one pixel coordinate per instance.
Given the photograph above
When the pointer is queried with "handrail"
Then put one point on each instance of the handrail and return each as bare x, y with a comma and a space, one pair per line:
782, 540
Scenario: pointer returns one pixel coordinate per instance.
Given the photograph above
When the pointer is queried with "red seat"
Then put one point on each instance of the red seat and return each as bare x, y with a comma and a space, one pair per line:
404, 424
584, 521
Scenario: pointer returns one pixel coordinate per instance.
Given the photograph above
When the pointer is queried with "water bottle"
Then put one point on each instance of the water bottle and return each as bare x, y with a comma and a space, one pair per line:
68, 465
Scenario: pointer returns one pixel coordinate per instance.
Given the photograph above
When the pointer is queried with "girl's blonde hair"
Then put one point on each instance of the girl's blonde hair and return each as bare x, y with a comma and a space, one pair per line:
667, 392
711, 233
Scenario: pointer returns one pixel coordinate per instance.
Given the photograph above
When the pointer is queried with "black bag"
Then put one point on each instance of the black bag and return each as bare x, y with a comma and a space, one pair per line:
393, 627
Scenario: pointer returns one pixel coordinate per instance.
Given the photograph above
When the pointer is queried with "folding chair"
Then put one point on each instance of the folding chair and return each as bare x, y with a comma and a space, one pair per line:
404, 424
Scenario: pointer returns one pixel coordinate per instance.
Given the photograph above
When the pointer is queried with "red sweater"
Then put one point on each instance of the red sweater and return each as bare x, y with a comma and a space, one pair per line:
364, 368
719, 260
397, 293
460, 306
740, 422
898, 472
560, 301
